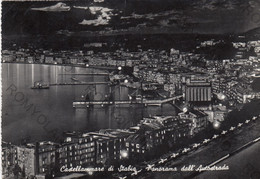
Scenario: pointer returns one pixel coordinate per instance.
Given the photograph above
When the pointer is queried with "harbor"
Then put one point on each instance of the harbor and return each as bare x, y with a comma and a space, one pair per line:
59, 98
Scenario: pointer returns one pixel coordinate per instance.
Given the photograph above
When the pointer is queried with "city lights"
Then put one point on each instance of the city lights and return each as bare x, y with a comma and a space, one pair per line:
124, 98
221, 96
124, 153
90, 172
216, 124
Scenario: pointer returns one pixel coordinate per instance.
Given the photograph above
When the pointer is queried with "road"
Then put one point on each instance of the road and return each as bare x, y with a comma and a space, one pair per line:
216, 150
243, 165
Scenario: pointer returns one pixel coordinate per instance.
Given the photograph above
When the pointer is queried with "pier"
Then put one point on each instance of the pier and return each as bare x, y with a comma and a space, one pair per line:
79, 83
84, 104
96, 74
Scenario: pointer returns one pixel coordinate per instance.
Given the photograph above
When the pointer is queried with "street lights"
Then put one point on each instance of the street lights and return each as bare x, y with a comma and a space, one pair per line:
216, 124
124, 154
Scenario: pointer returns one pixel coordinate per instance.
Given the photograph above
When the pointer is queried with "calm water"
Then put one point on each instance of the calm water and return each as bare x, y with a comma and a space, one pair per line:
55, 104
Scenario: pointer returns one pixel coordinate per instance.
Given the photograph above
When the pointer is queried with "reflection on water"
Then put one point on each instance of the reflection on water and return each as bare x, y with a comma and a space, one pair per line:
56, 103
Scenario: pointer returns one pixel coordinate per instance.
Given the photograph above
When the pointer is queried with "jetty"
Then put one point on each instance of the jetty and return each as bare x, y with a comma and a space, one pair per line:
79, 83
94, 74
84, 104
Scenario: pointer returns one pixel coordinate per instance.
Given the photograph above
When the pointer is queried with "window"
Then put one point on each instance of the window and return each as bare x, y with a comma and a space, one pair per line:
137, 146
127, 144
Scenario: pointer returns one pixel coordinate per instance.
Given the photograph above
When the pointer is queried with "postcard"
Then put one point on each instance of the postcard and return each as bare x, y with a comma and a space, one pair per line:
130, 89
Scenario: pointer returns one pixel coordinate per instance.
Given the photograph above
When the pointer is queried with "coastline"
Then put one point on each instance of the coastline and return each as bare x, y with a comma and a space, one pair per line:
108, 68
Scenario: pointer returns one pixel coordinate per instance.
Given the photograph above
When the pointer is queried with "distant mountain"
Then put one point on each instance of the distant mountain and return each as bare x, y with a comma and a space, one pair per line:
253, 31
253, 34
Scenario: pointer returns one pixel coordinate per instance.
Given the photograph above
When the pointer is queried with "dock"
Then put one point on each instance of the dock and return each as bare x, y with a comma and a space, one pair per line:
79, 83
96, 74
84, 104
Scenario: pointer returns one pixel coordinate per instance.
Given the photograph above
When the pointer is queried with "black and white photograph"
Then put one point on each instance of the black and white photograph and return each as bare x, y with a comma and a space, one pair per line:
130, 89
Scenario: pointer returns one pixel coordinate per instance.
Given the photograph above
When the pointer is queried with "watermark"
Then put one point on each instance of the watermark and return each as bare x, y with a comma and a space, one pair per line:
91, 93
253, 15
68, 68
121, 119
36, 114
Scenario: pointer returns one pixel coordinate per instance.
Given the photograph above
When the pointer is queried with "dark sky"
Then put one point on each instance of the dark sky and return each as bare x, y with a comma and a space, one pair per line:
130, 16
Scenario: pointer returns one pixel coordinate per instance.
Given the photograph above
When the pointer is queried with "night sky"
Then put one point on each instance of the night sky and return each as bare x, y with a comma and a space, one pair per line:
130, 17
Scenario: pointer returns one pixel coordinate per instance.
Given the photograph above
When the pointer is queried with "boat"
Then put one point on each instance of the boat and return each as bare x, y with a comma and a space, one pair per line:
38, 85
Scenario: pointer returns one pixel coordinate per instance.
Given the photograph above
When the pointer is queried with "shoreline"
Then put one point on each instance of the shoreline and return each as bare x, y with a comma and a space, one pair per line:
108, 68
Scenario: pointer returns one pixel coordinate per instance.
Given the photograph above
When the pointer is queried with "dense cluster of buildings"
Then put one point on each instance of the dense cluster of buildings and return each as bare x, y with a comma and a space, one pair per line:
166, 69
199, 80
104, 147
